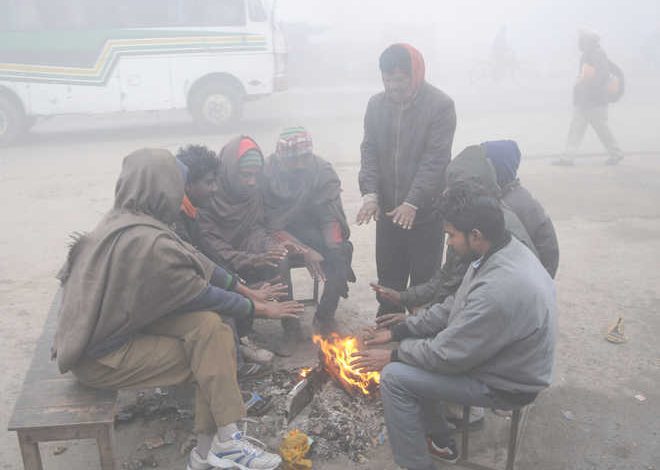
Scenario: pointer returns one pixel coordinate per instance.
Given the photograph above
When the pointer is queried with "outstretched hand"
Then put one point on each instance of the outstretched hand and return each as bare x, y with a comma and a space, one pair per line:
371, 360
386, 293
278, 310
368, 211
270, 258
375, 336
313, 260
270, 292
403, 216
390, 319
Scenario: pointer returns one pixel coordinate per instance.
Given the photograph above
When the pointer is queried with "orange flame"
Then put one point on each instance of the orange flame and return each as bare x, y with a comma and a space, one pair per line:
337, 356
304, 372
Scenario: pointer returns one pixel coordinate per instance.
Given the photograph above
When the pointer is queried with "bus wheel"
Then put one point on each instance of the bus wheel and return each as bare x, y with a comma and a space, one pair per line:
12, 121
215, 105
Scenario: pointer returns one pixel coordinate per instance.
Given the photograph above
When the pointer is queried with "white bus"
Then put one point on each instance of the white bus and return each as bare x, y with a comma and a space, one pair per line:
101, 56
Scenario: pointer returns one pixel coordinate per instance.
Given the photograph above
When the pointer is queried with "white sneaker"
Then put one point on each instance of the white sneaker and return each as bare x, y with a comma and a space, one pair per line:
197, 462
240, 452
252, 353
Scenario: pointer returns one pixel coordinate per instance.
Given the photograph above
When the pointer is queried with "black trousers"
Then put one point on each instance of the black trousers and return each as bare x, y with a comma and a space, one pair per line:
406, 257
336, 265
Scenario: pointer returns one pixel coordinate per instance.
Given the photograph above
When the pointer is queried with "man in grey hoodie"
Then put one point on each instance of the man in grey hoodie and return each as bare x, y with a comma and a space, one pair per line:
491, 344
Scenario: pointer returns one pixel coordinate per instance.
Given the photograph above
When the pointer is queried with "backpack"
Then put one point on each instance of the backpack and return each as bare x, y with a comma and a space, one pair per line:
615, 83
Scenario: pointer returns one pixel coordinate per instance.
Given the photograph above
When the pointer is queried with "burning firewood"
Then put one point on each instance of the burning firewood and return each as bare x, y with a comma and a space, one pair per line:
336, 355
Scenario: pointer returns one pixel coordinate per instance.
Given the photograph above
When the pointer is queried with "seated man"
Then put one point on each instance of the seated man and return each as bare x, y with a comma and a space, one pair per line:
140, 309
302, 196
471, 170
199, 167
234, 232
490, 345
505, 157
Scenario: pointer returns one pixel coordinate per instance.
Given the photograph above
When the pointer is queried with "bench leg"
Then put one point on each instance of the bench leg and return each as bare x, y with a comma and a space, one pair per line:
29, 452
105, 438
466, 432
513, 440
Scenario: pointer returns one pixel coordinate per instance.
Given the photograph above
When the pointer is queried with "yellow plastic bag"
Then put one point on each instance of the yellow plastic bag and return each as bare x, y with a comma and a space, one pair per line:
293, 450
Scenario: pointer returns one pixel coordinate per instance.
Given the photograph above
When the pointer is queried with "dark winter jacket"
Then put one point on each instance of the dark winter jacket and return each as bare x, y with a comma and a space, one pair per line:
470, 167
536, 222
406, 149
593, 92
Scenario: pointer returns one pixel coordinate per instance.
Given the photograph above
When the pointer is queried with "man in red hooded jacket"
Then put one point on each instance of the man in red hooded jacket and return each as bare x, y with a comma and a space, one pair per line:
408, 134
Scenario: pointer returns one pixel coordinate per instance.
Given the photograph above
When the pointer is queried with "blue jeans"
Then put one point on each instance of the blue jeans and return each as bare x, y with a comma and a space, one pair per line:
413, 401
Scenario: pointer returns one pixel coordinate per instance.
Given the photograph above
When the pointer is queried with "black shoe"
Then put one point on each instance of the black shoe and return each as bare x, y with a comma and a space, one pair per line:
447, 454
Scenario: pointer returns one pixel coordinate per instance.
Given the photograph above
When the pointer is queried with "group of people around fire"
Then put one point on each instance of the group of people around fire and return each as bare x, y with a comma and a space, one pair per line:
166, 288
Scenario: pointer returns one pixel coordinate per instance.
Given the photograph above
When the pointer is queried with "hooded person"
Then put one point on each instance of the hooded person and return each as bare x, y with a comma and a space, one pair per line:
408, 134
233, 232
233, 226
505, 156
471, 170
139, 308
302, 195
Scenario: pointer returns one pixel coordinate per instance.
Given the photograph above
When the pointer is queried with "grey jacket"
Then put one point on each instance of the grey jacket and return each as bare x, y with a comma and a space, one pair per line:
499, 328
537, 223
448, 277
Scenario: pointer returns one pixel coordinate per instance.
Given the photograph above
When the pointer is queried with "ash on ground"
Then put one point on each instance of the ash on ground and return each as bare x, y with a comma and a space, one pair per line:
338, 423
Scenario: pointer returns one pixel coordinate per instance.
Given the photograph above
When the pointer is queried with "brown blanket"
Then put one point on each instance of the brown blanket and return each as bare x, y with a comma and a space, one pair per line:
131, 269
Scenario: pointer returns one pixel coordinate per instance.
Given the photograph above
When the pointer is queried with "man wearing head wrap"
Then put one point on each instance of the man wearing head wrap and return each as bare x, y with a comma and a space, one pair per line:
591, 100
199, 167
140, 308
302, 195
233, 225
504, 155
408, 134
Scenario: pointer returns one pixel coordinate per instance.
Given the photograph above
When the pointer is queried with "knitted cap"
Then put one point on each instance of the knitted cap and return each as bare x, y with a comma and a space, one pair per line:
252, 158
293, 142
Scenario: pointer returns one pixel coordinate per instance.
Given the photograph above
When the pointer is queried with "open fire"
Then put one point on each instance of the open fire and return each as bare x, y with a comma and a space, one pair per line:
337, 354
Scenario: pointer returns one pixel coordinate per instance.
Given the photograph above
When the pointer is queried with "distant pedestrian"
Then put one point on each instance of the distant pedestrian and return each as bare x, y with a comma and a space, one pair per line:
599, 83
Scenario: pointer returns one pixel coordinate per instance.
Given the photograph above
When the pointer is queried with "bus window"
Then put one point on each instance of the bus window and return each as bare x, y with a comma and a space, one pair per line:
217, 12
22, 15
256, 10
60, 14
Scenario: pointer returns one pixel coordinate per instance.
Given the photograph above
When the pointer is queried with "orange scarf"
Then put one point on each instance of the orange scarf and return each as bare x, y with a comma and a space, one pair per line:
188, 208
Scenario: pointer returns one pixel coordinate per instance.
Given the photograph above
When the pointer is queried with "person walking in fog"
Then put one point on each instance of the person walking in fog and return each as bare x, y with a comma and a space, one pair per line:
599, 83
408, 134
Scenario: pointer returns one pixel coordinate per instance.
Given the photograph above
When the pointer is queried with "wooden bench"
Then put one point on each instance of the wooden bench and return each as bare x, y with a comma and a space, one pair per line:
56, 407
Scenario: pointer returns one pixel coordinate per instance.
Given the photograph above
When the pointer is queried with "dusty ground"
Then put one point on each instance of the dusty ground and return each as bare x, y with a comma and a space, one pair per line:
608, 222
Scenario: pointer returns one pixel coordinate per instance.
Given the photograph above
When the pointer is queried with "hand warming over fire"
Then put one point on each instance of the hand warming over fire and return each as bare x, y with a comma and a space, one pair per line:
371, 360
386, 293
278, 310
264, 293
374, 337
390, 319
